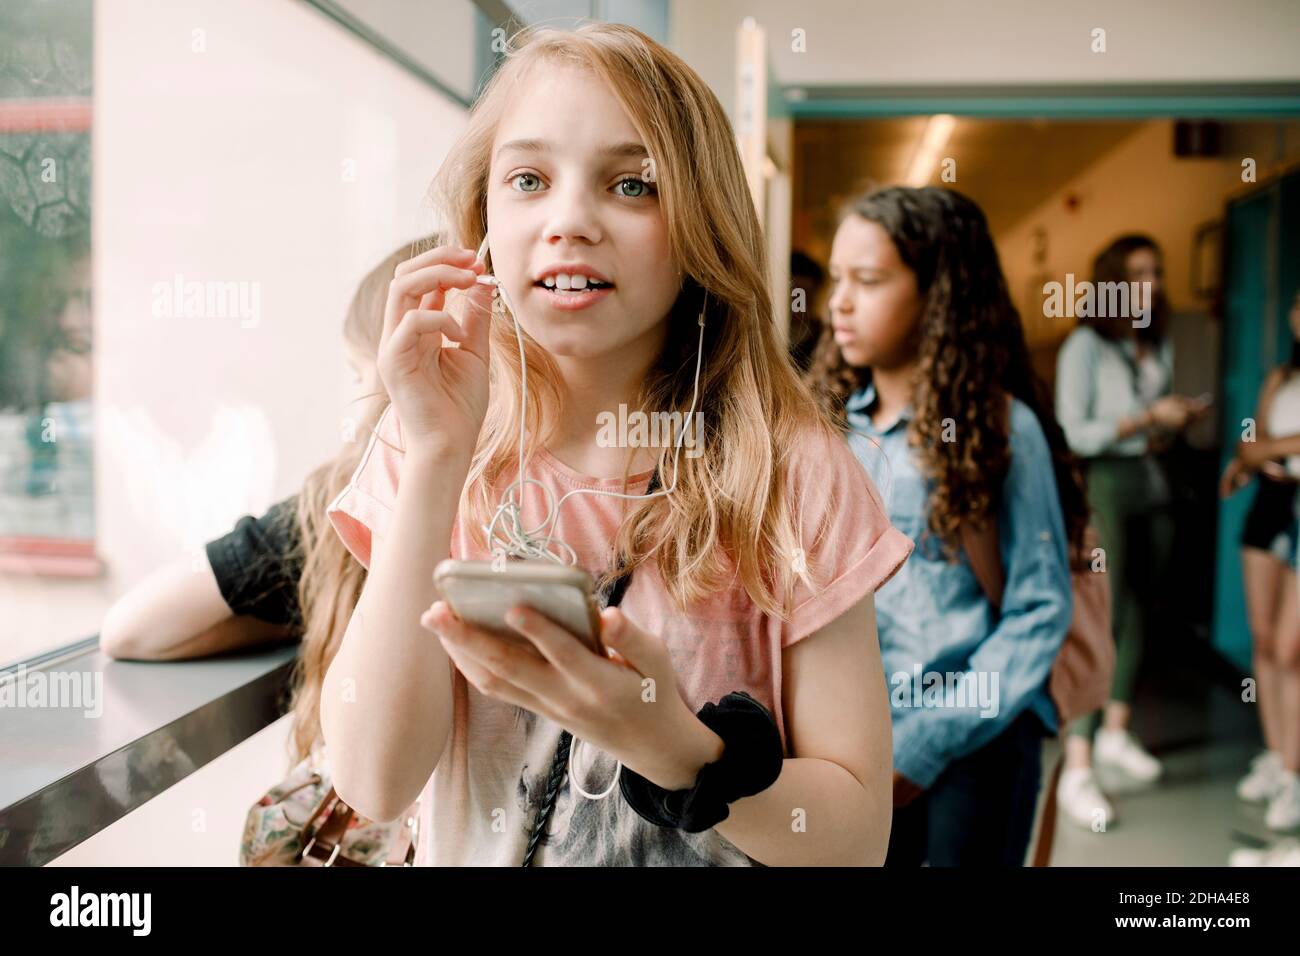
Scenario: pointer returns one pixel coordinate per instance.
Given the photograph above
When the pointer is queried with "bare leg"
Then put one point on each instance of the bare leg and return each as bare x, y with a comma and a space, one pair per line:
1286, 676
1269, 585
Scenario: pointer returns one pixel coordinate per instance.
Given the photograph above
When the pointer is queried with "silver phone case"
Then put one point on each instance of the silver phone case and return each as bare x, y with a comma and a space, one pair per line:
481, 595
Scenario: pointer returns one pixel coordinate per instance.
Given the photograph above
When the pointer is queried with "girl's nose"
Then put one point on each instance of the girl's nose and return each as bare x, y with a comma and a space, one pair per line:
573, 218
838, 302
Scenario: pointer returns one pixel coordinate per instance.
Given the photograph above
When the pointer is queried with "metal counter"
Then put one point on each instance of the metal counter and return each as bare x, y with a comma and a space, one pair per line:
67, 772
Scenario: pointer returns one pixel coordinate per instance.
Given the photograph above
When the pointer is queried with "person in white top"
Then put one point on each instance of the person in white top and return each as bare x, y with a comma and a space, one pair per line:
1114, 381
1268, 564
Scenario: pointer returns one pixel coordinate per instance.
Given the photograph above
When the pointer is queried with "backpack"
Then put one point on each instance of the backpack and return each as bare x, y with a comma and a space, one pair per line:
1085, 664
1082, 671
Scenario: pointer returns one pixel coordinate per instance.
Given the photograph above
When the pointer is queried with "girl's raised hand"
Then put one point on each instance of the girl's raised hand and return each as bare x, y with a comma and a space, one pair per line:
440, 394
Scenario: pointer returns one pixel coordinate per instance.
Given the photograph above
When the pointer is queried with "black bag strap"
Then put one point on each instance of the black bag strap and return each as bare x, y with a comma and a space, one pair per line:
612, 596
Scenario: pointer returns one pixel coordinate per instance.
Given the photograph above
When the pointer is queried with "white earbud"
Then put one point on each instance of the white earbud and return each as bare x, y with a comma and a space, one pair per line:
487, 278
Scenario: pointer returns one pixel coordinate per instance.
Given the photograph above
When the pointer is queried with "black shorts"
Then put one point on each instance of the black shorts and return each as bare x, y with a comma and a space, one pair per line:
1271, 522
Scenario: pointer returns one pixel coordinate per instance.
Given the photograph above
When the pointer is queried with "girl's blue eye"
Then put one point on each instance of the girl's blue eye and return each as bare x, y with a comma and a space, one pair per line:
527, 182
641, 187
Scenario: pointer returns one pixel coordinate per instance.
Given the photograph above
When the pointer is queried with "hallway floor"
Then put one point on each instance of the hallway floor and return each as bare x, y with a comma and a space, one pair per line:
1205, 736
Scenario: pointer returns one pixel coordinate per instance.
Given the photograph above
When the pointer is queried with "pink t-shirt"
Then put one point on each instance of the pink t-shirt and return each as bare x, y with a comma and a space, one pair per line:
485, 792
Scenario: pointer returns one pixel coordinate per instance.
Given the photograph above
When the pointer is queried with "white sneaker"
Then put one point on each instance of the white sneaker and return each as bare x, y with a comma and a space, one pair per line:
1118, 749
1284, 809
1082, 801
1283, 853
1286, 853
1261, 783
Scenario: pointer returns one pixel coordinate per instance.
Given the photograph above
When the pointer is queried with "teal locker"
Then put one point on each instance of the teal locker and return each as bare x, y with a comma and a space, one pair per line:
1261, 275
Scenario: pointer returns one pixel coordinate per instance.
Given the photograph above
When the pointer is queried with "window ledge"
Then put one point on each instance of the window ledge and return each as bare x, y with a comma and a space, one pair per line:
67, 773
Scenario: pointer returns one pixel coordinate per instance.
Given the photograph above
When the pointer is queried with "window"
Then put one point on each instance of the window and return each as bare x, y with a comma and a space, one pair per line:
47, 523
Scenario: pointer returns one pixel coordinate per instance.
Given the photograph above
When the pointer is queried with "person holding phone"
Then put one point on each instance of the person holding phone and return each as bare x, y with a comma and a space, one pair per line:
1114, 378
606, 176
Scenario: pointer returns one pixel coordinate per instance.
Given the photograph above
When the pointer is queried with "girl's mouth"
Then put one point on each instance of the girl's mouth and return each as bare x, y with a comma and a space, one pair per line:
573, 292
571, 283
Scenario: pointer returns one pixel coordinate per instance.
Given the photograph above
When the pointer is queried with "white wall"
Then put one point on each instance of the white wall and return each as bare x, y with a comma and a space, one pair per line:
227, 165
940, 42
422, 30
1139, 186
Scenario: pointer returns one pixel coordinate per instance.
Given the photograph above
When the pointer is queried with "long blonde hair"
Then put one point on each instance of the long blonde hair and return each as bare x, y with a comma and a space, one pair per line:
331, 580
729, 514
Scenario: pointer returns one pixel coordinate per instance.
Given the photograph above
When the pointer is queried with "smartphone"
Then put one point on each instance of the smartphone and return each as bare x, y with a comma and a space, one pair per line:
481, 592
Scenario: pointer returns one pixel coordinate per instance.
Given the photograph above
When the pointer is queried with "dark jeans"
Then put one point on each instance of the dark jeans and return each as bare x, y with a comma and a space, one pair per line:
980, 811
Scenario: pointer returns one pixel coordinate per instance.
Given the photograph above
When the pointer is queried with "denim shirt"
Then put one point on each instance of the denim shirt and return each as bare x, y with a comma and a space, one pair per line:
958, 672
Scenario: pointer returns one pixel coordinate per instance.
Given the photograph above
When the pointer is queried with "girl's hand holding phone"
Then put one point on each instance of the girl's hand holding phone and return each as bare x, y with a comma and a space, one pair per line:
1199, 407
1170, 412
440, 394
628, 706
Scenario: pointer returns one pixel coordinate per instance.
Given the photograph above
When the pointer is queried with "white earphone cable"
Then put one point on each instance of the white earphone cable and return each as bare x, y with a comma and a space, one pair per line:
505, 533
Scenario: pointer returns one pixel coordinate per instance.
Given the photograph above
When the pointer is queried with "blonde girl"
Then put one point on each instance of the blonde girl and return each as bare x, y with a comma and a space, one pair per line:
606, 175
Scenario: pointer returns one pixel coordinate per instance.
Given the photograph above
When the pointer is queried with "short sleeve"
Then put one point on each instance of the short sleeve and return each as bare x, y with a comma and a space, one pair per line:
257, 565
1086, 433
848, 546
360, 512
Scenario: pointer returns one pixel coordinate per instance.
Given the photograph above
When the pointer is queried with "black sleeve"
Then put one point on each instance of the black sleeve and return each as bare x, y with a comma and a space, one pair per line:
258, 564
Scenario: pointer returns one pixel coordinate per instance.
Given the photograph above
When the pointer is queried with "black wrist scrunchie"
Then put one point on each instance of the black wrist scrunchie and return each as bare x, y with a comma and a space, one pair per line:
751, 761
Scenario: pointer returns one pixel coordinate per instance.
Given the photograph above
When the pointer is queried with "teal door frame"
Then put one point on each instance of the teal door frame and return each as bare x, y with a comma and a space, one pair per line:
1117, 101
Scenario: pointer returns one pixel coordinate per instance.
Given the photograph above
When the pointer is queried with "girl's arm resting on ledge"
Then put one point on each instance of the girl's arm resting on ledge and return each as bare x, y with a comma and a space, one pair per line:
833, 803
178, 612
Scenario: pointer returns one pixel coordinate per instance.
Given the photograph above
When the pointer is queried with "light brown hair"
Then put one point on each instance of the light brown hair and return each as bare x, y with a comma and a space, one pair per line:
330, 581
728, 517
